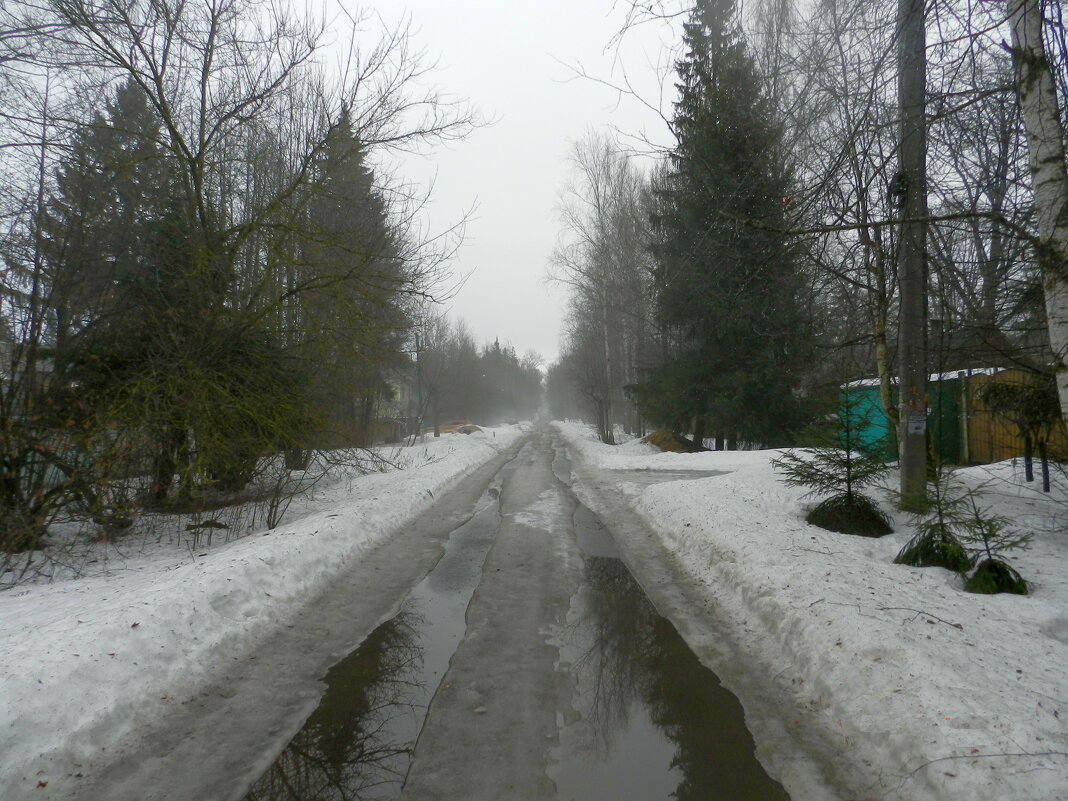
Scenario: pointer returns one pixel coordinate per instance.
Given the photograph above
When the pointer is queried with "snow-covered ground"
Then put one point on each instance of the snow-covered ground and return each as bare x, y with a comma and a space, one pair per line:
926, 691
79, 656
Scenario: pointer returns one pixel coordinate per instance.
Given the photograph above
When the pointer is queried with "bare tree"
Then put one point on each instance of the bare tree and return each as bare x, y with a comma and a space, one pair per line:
1044, 122
843, 146
249, 120
602, 258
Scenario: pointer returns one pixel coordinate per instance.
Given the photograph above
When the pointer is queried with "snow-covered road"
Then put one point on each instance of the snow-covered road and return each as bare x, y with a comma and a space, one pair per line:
860, 679
892, 681
113, 683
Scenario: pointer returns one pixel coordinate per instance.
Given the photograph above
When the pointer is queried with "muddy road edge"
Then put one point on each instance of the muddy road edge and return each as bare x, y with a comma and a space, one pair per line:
219, 735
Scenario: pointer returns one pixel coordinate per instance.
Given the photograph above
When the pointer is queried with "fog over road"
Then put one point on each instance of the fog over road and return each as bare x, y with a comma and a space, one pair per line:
497, 649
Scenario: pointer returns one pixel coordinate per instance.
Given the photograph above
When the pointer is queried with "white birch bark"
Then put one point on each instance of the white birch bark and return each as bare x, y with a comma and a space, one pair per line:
1045, 141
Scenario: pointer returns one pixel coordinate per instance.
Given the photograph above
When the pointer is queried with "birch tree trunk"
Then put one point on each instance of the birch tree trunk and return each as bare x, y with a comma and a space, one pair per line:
1036, 87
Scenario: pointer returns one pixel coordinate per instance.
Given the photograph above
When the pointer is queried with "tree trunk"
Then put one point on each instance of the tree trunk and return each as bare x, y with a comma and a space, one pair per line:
297, 458
609, 424
1036, 87
608, 429
911, 183
166, 462
699, 433
1043, 456
882, 369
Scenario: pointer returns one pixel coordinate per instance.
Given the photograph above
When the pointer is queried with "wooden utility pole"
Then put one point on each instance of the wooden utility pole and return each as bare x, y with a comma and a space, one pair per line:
910, 191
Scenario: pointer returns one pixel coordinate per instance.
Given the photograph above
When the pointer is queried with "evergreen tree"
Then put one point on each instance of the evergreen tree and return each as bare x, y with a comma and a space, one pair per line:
350, 285
987, 535
727, 278
937, 541
958, 533
840, 471
152, 357
110, 194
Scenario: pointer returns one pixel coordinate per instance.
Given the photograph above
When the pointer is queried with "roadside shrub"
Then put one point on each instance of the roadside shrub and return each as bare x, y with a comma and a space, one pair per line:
936, 542
957, 531
850, 514
935, 547
994, 576
840, 472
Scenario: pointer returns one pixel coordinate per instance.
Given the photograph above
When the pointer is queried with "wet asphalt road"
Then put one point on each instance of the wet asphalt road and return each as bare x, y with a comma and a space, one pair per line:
528, 664
497, 649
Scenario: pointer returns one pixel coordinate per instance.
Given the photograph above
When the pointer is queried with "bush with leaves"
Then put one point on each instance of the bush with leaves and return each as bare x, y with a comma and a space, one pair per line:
840, 473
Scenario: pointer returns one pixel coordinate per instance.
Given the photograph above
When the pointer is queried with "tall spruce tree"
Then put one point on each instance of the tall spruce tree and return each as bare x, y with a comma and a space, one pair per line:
729, 290
352, 311
151, 357
110, 192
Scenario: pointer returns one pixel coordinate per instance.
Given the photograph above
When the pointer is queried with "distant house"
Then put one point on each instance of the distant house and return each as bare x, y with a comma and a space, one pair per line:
396, 414
963, 429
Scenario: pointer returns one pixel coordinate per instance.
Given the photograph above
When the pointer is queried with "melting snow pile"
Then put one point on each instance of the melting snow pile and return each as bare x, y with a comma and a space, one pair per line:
78, 657
926, 691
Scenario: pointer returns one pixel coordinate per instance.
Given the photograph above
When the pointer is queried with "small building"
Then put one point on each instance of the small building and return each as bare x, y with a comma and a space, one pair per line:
396, 411
963, 428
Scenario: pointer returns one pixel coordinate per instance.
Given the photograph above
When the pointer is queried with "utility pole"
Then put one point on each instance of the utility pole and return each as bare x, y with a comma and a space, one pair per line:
417, 427
910, 192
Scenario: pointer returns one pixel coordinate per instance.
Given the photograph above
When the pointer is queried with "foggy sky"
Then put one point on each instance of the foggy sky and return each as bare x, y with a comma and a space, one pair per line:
512, 61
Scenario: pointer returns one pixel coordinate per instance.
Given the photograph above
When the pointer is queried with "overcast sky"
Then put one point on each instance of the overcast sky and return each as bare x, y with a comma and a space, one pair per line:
510, 59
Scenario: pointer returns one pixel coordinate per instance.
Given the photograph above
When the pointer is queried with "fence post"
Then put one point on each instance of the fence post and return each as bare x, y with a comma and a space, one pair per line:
965, 416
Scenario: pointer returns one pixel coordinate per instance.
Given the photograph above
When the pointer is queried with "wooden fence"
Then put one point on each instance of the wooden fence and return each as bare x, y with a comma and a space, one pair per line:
992, 437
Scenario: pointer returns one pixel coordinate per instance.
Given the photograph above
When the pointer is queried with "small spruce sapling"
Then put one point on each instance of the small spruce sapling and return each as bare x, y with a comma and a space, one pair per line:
840, 473
987, 535
936, 542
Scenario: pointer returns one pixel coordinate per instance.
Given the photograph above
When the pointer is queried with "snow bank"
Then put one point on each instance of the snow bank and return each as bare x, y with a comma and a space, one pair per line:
926, 691
78, 658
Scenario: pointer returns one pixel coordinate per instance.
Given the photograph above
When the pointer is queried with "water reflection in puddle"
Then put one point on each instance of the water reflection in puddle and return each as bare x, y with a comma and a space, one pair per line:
653, 723
649, 722
357, 744
561, 464
349, 748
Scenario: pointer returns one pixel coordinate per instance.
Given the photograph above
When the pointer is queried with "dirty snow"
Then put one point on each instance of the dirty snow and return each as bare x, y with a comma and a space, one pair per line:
79, 657
927, 692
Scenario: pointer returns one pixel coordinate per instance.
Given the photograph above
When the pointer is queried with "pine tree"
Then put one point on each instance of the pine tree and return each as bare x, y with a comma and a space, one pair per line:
987, 535
153, 359
840, 471
958, 533
351, 312
936, 542
727, 278
110, 194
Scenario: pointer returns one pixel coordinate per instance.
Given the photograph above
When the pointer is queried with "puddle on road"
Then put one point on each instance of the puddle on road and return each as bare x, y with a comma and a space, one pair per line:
561, 464
357, 744
654, 722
